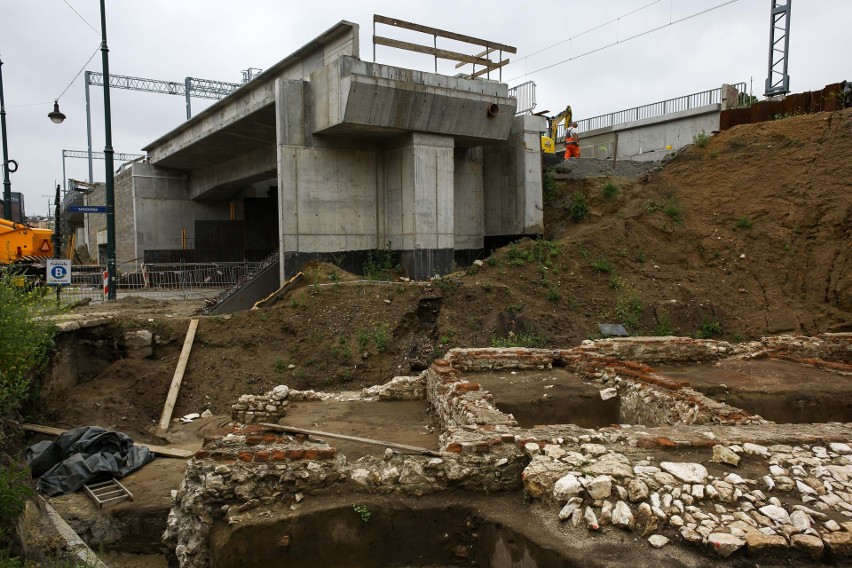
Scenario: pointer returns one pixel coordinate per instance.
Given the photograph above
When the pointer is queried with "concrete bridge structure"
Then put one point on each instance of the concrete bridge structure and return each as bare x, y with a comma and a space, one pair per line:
326, 156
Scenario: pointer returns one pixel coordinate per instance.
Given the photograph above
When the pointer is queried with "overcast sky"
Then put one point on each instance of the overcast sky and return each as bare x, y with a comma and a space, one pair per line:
44, 43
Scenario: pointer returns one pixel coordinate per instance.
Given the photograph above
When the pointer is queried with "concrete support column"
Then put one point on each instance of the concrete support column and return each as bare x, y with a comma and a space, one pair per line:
419, 206
513, 193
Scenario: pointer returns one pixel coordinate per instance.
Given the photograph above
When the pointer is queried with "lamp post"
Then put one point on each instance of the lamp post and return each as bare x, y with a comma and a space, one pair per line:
58, 117
7, 185
108, 155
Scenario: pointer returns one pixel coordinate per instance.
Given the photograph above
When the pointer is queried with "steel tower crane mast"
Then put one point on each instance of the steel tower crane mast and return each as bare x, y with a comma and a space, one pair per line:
777, 80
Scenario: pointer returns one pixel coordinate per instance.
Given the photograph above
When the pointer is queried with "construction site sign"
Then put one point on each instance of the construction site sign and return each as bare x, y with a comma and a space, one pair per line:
58, 272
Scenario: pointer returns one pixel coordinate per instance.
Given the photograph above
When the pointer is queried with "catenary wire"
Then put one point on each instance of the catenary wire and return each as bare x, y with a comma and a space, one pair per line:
671, 23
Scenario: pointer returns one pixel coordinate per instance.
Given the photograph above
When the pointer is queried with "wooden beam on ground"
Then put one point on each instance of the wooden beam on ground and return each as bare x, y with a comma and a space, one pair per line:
276, 295
161, 451
403, 447
174, 389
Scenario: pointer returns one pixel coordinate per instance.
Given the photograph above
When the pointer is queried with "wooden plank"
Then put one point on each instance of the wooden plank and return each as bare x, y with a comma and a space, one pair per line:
484, 53
441, 53
174, 389
489, 69
404, 447
162, 451
443, 33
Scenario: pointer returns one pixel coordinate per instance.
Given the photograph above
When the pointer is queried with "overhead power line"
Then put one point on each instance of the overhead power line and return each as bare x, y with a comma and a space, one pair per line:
620, 41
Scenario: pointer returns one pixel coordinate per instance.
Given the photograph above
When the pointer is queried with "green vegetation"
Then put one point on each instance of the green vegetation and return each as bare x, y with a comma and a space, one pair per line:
663, 326
610, 190
578, 209
702, 139
743, 223
548, 184
553, 295
13, 494
26, 339
628, 308
708, 329
379, 262
363, 512
520, 339
601, 265
673, 209
542, 251
279, 365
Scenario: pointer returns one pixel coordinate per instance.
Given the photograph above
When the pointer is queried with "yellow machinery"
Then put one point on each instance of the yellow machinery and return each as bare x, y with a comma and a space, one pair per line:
23, 244
548, 139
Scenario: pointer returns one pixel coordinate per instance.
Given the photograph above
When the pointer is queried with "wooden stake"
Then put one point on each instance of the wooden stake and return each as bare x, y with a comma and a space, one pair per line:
174, 389
404, 447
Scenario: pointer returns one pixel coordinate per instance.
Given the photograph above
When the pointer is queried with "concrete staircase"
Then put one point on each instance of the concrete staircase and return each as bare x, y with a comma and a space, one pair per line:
254, 286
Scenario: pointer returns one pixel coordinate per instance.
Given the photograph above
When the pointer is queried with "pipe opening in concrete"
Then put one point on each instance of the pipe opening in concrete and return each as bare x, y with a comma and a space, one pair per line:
492, 110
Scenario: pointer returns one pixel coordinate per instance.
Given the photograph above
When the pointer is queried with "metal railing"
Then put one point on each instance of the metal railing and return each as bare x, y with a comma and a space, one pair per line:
162, 281
653, 110
525, 95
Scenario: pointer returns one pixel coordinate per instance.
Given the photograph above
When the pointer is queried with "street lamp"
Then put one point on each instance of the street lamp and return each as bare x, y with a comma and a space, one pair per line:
58, 117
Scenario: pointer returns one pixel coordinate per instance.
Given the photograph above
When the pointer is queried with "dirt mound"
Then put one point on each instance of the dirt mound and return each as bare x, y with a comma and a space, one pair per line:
745, 237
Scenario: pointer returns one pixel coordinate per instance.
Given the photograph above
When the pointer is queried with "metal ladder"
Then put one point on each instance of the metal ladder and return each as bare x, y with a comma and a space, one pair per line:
107, 493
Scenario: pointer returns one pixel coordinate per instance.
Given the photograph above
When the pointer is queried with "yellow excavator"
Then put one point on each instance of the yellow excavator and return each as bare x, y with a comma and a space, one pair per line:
548, 139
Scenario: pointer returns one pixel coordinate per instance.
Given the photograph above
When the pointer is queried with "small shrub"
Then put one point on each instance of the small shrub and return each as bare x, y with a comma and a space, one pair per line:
446, 284
363, 340
664, 326
610, 190
279, 365
743, 223
378, 263
578, 208
492, 260
520, 339
602, 265
553, 295
708, 329
363, 512
701, 139
628, 308
673, 209
548, 186
381, 338
13, 494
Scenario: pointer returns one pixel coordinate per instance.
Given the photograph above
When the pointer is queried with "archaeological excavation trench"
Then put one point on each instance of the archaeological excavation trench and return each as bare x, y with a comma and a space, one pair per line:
515, 457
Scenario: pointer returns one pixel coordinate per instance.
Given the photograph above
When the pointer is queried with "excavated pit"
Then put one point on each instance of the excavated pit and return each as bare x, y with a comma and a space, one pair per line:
553, 396
385, 533
407, 422
780, 391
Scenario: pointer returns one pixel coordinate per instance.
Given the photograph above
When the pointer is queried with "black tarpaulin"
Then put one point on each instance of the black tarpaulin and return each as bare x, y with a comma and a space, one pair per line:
84, 455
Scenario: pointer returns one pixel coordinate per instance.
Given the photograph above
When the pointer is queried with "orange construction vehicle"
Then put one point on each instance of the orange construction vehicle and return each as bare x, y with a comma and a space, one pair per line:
24, 245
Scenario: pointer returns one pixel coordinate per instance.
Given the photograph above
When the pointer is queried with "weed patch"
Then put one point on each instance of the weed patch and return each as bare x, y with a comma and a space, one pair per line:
701, 139
673, 209
743, 223
610, 190
578, 209
708, 329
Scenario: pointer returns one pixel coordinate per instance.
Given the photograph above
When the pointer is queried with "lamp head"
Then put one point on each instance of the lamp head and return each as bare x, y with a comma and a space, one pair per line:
56, 116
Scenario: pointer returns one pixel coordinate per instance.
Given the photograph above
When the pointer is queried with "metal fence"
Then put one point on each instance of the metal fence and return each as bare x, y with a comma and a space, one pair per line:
525, 94
161, 281
653, 110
